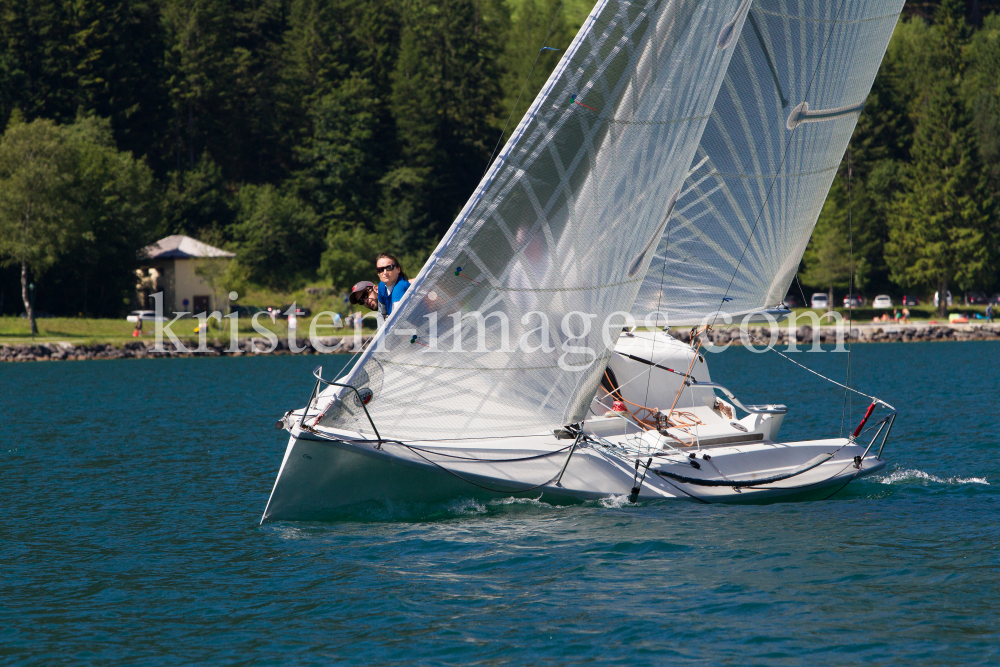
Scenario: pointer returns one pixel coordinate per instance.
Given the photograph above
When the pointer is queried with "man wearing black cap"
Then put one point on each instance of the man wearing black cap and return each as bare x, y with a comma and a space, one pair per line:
366, 294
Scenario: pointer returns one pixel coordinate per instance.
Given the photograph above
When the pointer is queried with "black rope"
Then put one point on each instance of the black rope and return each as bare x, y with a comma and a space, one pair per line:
417, 450
737, 483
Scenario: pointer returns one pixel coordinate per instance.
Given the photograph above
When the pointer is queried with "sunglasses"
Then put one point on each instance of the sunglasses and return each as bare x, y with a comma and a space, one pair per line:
388, 267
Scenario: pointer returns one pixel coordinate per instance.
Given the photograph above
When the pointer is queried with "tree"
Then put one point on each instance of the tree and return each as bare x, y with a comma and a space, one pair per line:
39, 219
938, 224
828, 255
276, 235
105, 56
197, 201
445, 99
533, 24
340, 173
118, 203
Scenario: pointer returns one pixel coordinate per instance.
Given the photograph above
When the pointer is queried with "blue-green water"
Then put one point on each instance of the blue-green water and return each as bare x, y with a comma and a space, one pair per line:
132, 492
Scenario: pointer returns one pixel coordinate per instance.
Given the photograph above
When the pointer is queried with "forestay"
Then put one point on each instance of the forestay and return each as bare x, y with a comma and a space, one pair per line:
556, 238
781, 123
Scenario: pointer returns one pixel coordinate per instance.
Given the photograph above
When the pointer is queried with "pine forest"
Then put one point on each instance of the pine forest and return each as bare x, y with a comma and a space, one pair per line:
306, 136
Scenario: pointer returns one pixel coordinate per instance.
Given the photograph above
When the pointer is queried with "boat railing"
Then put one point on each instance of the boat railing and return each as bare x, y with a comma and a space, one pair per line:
884, 424
318, 374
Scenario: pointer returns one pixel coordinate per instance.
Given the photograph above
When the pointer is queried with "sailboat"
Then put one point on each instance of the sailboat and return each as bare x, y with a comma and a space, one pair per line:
670, 171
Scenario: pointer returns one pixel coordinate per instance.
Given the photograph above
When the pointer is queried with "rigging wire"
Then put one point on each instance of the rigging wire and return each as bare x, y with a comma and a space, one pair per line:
850, 294
816, 373
784, 156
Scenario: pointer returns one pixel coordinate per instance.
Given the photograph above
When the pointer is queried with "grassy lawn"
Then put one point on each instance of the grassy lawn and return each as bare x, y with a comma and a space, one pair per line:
81, 330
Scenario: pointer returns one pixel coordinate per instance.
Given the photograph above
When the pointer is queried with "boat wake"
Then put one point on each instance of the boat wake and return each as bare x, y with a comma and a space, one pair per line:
906, 476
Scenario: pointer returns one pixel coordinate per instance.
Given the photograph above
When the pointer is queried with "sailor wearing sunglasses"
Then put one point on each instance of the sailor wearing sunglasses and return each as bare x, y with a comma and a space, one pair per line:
394, 282
388, 292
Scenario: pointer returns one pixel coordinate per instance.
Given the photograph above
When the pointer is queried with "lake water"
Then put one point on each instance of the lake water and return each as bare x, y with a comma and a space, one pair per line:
132, 492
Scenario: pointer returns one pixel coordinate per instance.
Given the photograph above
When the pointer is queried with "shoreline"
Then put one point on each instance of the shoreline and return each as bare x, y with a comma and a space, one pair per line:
137, 349
865, 333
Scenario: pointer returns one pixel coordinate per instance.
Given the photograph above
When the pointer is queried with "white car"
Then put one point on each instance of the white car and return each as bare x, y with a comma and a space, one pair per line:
882, 301
819, 300
144, 315
947, 295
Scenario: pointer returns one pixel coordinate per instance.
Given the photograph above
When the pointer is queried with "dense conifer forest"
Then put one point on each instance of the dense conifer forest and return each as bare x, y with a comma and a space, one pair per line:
307, 135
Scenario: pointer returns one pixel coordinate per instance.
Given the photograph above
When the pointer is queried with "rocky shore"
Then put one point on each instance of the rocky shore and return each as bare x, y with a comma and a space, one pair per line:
885, 333
63, 351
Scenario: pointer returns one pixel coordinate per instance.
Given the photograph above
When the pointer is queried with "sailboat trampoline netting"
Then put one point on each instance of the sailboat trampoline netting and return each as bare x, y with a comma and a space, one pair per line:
503, 332
782, 120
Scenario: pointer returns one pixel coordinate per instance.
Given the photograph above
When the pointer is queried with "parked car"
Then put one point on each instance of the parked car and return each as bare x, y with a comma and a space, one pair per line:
854, 301
145, 316
948, 299
911, 301
975, 299
792, 301
819, 300
882, 301
995, 299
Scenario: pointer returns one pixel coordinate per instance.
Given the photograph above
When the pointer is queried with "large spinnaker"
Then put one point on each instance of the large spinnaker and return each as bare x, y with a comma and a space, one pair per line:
787, 108
585, 181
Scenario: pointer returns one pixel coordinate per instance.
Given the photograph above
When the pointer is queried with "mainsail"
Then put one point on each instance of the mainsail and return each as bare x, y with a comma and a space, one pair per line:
787, 108
504, 330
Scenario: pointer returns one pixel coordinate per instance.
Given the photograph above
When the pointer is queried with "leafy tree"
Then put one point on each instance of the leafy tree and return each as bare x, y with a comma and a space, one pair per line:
534, 24
276, 236
118, 201
982, 90
38, 218
938, 225
350, 256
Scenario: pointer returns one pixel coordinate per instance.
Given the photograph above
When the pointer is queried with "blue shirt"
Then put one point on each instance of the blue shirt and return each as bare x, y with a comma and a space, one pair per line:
398, 290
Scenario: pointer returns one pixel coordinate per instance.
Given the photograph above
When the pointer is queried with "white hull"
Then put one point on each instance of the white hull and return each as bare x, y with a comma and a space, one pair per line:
710, 456
319, 477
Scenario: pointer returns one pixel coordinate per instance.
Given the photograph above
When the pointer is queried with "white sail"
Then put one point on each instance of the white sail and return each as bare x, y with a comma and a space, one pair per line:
559, 233
790, 101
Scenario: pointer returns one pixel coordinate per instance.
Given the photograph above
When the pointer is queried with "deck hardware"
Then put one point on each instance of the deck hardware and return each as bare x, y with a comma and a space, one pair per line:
579, 434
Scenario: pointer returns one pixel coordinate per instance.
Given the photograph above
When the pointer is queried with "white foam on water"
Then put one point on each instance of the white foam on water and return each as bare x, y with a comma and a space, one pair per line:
614, 502
466, 506
899, 476
535, 502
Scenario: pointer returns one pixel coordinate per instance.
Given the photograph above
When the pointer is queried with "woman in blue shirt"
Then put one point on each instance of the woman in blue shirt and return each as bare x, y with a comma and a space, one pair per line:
394, 282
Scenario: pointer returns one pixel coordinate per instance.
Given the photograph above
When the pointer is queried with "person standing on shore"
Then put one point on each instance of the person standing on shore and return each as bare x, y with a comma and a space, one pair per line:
989, 312
394, 282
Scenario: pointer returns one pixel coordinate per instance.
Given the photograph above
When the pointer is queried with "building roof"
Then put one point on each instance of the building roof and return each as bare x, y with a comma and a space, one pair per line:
179, 246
